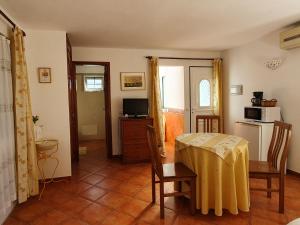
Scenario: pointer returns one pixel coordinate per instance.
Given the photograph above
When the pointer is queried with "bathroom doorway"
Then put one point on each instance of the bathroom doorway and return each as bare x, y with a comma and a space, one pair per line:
91, 111
89, 97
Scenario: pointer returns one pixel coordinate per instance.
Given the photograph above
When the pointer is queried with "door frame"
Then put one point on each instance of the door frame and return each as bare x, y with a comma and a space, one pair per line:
107, 100
190, 91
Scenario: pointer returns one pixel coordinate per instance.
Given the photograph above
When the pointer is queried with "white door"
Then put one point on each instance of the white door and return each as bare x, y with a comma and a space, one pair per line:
201, 93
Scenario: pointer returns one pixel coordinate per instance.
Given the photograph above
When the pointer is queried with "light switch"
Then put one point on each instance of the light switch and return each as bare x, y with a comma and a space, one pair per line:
236, 89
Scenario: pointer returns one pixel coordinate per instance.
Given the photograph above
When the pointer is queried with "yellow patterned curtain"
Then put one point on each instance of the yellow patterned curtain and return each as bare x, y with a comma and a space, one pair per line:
218, 90
27, 170
155, 104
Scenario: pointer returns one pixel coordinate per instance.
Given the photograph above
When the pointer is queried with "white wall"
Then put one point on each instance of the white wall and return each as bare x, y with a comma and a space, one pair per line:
50, 101
127, 60
246, 65
89, 69
4, 28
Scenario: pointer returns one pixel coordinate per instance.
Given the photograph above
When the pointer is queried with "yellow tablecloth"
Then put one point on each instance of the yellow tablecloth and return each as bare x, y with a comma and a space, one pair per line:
221, 164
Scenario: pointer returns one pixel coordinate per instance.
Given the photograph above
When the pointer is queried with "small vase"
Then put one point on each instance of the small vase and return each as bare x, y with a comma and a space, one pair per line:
38, 132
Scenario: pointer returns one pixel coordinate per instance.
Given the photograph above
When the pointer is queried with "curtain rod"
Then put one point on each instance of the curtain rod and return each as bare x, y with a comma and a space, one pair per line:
150, 57
10, 21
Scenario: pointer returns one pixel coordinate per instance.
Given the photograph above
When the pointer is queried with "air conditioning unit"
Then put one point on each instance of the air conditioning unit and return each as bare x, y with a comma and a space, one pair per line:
290, 38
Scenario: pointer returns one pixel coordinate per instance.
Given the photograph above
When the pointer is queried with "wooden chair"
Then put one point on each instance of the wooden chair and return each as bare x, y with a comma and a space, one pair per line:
208, 122
171, 172
274, 167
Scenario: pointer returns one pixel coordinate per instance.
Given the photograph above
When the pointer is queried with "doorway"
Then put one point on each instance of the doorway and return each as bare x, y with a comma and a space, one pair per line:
173, 102
90, 111
201, 93
186, 91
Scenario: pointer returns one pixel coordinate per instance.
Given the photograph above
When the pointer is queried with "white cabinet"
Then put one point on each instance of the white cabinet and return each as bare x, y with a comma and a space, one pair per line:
259, 136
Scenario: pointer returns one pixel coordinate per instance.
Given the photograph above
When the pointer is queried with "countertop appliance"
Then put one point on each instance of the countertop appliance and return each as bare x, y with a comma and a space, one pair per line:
259, 136
262, 114
258, 97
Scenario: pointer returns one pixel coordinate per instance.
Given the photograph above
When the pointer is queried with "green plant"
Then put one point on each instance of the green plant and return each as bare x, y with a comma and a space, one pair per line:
35, 118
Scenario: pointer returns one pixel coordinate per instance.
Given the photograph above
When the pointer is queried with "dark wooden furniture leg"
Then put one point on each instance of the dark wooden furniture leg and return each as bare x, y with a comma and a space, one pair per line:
269, 186
281, 194
179, 183
161, 199
153, 185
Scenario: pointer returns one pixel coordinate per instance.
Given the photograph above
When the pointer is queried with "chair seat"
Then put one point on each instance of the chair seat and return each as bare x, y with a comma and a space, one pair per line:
261, 167
177, 170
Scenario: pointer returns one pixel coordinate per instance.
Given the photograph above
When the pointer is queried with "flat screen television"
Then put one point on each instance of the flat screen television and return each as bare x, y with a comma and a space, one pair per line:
135, 107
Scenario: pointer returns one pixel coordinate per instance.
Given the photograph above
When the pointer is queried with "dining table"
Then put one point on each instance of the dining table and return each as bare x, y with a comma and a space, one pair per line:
221, 163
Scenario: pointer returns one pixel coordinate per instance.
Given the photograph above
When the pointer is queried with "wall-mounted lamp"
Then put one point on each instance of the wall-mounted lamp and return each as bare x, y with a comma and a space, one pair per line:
274, 63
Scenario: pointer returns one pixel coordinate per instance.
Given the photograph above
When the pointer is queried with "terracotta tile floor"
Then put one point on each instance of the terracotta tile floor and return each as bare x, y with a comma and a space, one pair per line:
108, 192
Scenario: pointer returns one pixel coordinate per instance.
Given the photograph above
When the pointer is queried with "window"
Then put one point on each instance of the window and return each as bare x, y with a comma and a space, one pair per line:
93, 83
204, 93
162, 91
172, 87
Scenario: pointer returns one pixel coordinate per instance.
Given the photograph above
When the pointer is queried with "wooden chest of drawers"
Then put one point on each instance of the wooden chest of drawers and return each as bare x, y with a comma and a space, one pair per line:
134, 144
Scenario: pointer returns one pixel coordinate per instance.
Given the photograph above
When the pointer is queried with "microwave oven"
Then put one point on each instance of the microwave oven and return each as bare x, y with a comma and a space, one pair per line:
262, 114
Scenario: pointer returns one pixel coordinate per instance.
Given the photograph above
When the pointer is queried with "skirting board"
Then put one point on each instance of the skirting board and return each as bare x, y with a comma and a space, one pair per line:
57, 179
293, 173
116, 156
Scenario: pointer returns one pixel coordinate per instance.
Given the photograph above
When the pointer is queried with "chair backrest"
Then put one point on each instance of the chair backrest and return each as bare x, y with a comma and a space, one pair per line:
209, 123
278, 149
154, 151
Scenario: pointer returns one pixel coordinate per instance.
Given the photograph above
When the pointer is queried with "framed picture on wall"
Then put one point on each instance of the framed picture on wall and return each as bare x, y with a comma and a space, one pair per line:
44, 74
133, 81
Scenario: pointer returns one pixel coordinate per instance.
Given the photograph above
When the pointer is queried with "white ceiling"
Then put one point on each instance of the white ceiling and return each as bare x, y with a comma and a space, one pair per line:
161, 24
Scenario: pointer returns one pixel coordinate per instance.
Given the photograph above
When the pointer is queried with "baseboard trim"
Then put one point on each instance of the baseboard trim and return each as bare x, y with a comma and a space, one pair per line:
91, 140
293, 173
56, 179
116, 156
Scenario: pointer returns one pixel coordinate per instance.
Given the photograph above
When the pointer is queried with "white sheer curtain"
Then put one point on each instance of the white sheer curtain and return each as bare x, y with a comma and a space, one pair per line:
7, 140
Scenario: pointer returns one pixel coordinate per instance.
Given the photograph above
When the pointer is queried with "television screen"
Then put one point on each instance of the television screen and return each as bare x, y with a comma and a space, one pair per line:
135, 106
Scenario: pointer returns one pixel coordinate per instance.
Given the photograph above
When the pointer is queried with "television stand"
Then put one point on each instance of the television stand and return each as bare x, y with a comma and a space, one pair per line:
134, 145
140, 117
136, 117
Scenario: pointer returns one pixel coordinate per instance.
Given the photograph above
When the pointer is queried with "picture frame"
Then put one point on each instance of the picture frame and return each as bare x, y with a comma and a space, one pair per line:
133, 81
44, 74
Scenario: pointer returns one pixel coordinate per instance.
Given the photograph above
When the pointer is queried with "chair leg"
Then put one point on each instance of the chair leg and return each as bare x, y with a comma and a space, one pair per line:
193, 196
179, 186
269, 186
161, 199
153, 185
281, 194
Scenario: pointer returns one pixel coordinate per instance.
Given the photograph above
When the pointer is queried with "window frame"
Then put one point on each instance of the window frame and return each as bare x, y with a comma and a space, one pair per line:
163, 92
95, 76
